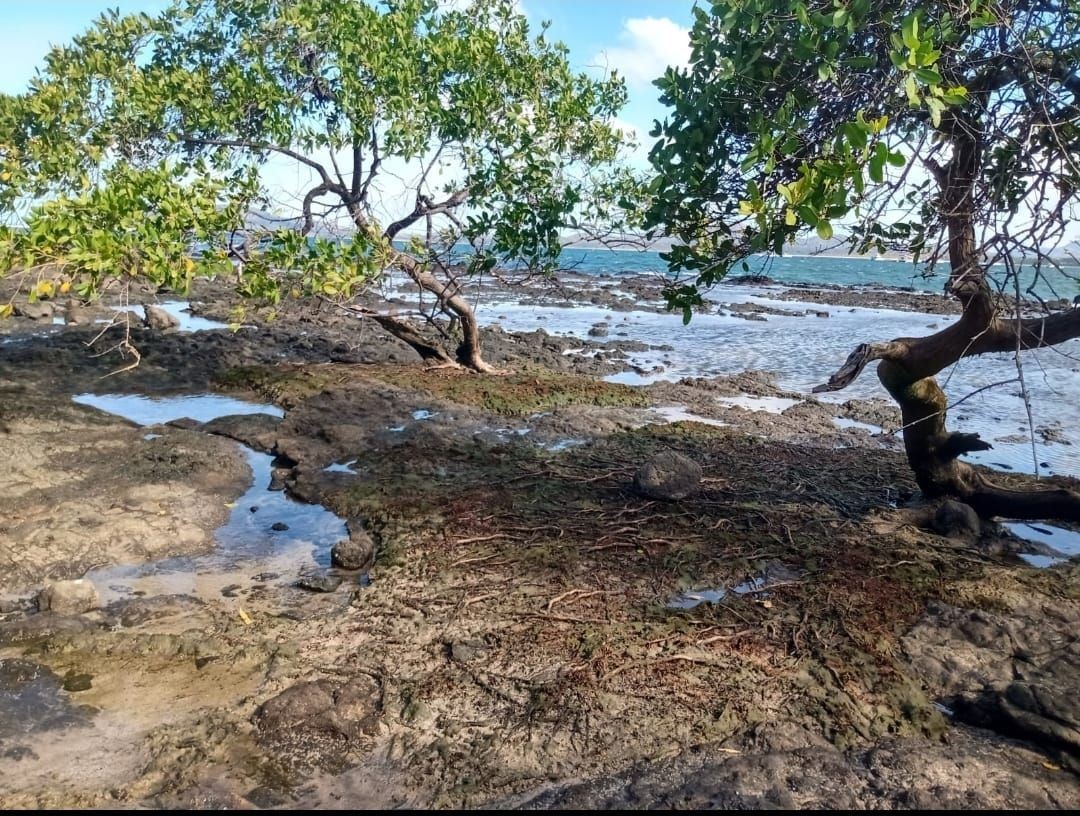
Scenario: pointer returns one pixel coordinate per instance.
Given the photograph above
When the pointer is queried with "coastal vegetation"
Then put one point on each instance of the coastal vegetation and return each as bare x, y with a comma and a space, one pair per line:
284, 561
421, 128
951, 130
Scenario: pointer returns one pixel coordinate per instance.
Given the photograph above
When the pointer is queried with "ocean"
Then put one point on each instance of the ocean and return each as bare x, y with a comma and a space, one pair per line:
804, 351
825, 270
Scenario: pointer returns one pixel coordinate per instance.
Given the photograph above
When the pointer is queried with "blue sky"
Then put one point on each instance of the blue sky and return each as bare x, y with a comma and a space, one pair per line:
637, 37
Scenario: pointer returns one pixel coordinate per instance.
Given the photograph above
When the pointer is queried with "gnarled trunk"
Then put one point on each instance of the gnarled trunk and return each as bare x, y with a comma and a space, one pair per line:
468, 350
908, 365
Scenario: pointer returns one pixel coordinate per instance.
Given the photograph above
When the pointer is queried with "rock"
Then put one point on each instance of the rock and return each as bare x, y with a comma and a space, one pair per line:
318, 582
69, 597
357, 552
35, 311
279, 526
157, 319
668, 476
955, 519
468, 651
599, 330
278, 477
322, 705
184, 423
75, 314
1009, 671
40, 627
258, 431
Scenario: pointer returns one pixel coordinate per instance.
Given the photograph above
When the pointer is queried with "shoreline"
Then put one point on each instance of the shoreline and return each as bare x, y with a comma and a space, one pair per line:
524, 625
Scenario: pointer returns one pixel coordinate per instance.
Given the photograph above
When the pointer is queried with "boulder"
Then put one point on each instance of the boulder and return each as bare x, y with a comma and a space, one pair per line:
69, 597
346, 709
35, 311
357, 552
669, 476
157, 319
599, 330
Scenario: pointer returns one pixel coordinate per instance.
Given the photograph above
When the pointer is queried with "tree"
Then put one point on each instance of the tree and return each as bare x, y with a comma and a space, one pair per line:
951, 128
146, 138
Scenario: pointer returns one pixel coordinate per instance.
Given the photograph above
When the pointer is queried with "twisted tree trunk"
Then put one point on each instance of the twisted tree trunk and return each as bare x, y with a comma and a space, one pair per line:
908, 365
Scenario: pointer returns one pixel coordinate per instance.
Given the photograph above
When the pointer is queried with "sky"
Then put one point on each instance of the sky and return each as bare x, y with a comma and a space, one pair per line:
638, 38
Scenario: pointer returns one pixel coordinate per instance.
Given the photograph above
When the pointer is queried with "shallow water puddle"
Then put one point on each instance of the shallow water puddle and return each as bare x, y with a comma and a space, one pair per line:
844, 423
181, 310
773, 575
770, 405
267, 532
340, 467
32, 700
1063, 543
678, 413
159, 410
563, 444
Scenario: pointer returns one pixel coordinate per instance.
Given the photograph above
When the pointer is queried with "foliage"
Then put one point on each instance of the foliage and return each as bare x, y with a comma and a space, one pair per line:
793, 116
138, 148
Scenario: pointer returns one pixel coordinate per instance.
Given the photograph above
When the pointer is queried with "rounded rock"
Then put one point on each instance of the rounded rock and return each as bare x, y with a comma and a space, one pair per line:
668, 476
69, 597
157, 319
357, 552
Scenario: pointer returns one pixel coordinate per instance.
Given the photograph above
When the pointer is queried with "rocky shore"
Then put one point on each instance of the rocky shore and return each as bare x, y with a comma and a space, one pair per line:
549, 589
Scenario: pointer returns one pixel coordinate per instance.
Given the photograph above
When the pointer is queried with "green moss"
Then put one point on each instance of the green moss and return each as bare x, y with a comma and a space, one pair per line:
518, 394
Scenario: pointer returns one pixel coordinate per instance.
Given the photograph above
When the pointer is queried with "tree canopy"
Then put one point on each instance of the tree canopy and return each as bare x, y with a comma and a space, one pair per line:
800, 115
146, 136
950, 129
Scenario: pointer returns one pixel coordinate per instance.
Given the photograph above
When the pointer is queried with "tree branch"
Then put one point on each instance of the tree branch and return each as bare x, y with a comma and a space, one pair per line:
271, 148
424, 207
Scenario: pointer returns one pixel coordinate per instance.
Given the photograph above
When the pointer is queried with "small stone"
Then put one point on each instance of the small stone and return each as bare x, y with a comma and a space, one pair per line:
279, 526
69, 597
599, 330
75, 314
467, 651
157, 319
669, 476
357, 552
319, 583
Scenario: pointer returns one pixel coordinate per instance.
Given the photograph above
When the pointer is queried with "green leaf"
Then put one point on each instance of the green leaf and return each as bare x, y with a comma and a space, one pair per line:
824, 230
910, 31
912, 91
876, 168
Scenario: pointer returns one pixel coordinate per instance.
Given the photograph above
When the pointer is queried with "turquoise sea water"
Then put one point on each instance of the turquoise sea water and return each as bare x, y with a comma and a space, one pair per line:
817, 269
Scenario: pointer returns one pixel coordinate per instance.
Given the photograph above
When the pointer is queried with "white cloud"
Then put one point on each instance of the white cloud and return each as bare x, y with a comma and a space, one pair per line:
647, 45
